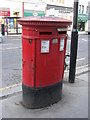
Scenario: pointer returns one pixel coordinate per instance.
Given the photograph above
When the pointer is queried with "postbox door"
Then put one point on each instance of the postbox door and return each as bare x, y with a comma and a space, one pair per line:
49, 62
28, 61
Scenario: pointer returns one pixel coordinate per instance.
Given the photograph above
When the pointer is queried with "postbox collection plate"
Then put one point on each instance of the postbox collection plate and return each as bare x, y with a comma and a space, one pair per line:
44, 46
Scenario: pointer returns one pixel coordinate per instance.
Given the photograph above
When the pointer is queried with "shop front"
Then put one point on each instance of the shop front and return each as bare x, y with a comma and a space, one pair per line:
82, 19
33, 13
4, 12
12, 26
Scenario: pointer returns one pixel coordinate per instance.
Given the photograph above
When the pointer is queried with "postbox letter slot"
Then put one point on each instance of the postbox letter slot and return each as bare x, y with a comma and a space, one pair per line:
62, 32
45, 33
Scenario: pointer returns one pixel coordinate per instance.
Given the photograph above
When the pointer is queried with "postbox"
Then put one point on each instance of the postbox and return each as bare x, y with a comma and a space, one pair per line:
43, 54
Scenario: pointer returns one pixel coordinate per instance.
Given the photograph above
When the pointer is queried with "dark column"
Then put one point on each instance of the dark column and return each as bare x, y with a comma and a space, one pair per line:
74, 44
2, 29
16, 27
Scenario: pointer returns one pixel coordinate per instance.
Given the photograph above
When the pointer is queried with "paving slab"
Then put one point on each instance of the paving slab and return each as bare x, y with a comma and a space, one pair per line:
83, 77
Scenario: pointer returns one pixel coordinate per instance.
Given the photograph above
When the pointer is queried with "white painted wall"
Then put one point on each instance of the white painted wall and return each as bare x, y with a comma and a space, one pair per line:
34, 6
14, 6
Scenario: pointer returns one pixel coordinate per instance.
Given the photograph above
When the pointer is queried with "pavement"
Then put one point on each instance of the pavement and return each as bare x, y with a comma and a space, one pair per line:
74, 103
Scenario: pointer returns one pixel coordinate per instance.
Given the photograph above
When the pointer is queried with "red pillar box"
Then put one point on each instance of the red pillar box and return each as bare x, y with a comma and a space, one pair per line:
43, 55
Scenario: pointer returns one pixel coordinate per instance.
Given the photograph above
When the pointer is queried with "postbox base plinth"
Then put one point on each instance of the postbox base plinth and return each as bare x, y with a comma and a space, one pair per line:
41, 97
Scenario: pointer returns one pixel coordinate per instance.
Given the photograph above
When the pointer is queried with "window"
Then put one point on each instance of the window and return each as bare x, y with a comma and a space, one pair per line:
63, 1
59, 1
82, 9
79, 9
87, 10
88, 13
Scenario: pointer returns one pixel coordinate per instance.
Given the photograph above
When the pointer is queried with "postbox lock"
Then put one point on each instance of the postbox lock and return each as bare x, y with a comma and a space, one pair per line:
30, 41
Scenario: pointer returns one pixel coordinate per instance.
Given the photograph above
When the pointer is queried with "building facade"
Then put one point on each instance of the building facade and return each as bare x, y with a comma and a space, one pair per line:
64, 8
58, 8
82, 15
10, 11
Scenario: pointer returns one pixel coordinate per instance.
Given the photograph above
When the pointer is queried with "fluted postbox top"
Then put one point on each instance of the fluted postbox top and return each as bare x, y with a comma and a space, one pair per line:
36, 20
